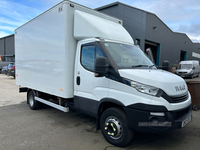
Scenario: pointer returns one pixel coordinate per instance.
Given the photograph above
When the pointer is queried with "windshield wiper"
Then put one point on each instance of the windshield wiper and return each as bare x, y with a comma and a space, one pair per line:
151, 66
139, 66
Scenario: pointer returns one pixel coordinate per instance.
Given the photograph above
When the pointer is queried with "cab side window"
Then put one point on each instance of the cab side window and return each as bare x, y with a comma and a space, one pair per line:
99, 52
88, 56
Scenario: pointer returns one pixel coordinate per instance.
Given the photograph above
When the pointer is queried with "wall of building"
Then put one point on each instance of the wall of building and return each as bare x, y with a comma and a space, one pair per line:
171, 43
2, 47
134, 20
146, 29
7, 48
153, 33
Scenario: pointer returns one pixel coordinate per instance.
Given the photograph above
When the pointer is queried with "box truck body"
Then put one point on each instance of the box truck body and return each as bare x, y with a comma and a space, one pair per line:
47, 44
75, 57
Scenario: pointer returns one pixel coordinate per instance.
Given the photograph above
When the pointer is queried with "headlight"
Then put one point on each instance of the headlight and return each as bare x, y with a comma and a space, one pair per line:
145, 88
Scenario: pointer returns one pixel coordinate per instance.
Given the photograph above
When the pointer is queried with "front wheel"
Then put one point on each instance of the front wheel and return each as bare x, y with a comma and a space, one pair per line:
114, 127
195, 108
33, 104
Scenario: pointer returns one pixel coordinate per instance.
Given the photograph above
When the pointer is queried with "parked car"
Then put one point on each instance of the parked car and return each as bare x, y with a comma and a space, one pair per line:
11, 70
4, 70
2, 64
188, 69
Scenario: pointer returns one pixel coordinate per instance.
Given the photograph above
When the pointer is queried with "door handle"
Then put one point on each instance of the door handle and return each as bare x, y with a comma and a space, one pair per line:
78, 80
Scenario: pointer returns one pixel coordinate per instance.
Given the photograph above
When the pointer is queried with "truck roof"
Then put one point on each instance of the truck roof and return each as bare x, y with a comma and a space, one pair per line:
189, 62
72, 5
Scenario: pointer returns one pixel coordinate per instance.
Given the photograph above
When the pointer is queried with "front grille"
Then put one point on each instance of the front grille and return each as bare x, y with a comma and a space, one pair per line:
182, 73
175, 99
181, 98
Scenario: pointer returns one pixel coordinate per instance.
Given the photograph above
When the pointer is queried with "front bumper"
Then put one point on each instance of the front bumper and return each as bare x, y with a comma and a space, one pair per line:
11, 73
184, 74
143, 121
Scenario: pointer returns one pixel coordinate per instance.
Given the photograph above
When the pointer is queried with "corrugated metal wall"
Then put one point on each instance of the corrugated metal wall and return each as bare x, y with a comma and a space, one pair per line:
134, 20
148, 27
7, 48
171, 43
2, 47
9, 45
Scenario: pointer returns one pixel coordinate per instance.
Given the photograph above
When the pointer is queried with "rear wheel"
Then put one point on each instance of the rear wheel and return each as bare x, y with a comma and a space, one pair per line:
33, 104
114, 127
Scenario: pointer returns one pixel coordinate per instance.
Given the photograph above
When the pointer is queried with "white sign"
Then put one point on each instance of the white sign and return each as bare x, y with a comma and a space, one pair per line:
195, 55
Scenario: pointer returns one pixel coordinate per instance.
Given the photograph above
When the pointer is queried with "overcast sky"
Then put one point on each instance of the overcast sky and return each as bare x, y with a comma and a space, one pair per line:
181, 16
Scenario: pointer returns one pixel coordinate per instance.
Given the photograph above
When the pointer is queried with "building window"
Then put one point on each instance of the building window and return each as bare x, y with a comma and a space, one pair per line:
9, 58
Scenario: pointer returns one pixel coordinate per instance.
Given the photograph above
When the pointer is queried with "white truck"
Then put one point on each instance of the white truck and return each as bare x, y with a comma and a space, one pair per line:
188, 68
74, 57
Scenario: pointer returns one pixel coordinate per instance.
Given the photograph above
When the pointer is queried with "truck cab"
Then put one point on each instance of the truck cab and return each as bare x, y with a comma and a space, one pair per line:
122, 77
189, 68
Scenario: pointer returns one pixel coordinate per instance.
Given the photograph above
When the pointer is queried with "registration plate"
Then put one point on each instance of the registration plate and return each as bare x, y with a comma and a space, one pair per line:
186, 121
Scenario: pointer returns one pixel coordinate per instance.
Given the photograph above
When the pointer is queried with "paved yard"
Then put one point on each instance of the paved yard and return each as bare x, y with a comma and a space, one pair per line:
49, 129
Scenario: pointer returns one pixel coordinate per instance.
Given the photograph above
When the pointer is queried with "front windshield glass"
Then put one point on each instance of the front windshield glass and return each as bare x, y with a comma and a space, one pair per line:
185, 66
128, 56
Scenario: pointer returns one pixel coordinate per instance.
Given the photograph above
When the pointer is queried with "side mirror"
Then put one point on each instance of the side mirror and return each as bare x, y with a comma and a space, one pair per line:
101, 66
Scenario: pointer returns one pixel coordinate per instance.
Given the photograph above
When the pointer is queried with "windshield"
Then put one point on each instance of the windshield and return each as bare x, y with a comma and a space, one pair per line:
128, 56
185, 66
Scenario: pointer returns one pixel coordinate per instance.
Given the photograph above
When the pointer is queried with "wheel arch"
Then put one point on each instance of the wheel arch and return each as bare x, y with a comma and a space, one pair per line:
103, 105
106, 103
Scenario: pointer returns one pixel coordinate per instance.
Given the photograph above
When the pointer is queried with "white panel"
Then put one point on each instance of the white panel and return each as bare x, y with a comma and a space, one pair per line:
41, 54
90, 26
45, 47
195, 55
157, 78
129, 95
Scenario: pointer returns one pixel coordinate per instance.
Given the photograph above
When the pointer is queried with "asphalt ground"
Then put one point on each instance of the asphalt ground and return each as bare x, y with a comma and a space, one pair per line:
49, 129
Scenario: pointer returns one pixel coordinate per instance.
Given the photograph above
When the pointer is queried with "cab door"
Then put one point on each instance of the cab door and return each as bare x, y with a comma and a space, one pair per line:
89, 90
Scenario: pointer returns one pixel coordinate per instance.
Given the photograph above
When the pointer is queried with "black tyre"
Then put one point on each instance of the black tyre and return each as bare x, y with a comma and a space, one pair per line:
195, 108
114, 127
33, 104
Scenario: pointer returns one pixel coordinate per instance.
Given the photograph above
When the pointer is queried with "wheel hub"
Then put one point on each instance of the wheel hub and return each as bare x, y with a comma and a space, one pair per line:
113, 127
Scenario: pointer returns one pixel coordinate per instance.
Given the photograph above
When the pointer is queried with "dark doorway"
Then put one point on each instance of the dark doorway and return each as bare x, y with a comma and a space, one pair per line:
183, 55
155, 48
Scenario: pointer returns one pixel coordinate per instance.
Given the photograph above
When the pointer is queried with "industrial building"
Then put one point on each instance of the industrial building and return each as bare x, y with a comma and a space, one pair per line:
7, 48
147, 31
